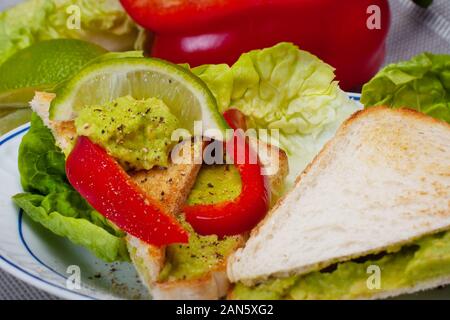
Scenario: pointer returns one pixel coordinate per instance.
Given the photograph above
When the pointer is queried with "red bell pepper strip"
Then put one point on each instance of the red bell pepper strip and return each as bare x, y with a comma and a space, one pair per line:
250, 207
219, 31
107, 187
235, 119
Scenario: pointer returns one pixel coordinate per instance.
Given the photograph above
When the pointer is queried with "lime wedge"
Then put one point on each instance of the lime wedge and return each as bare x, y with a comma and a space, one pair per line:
41, 67
185, 94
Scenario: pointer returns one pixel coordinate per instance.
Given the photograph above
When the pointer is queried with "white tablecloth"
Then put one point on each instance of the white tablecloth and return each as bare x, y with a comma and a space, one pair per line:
413, 31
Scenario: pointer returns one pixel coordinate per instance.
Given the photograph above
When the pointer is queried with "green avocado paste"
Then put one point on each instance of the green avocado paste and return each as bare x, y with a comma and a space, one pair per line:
137, 133
216, 183
195, 259
425, 259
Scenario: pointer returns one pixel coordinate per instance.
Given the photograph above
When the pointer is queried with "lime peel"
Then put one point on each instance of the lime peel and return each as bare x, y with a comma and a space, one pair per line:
186, 95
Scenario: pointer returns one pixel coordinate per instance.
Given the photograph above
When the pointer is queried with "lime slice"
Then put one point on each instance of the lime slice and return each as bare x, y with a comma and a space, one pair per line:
184, 93
41, 67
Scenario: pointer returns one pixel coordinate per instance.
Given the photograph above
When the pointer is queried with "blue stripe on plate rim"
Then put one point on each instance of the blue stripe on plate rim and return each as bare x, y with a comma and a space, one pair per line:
32, 278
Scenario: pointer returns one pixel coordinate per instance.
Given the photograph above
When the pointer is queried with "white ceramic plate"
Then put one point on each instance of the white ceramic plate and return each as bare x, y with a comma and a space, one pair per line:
42, 259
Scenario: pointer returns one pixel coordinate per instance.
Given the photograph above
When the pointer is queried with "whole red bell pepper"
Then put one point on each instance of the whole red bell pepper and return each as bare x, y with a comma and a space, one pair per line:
219, 31
107, 187
250, 207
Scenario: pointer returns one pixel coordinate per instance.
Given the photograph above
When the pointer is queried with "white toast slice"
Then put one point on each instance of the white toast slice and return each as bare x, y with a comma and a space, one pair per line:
383, 180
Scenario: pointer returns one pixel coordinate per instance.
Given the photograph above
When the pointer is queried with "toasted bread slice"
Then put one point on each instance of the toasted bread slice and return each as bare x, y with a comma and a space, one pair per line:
275, 165
170, 187
382, 181
64, 132
149, 260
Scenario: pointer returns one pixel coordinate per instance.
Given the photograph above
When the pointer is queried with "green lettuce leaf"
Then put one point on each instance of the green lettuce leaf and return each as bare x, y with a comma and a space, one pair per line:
80, 231
287, 89
41, 163
101, 21
52, 202
423, 84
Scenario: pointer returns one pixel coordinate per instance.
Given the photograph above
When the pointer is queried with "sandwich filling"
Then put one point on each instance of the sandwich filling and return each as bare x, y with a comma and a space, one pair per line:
399, 268
195, 259
137, 133
214, 184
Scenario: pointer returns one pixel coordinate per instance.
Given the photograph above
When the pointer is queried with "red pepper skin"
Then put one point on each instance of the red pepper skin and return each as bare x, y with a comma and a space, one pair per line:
243, 213
107, 187
220, 31
235, 119
170, 16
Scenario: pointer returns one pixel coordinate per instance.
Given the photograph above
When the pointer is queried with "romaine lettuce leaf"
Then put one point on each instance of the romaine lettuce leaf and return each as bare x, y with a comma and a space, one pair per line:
287, 89
53, 202
101, 21
80, 231
41, 163
423, 84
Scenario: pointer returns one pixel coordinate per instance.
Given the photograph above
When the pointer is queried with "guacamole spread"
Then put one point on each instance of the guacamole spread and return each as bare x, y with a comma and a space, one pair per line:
426, 259
196, 258
135, 132
216, 183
